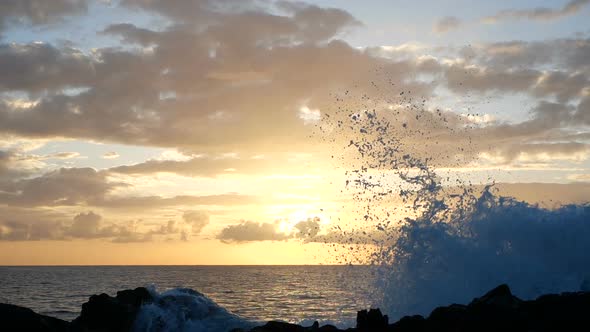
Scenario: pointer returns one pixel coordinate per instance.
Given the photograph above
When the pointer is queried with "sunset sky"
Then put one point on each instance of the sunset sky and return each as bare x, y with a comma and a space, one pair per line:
185, 131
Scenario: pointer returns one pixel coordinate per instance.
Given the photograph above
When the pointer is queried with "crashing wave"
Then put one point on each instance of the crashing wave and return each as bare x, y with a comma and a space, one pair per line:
184, 309
452, 242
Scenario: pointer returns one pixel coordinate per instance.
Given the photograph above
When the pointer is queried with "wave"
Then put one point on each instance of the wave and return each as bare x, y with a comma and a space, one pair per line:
534, 250
455, 242
184, 309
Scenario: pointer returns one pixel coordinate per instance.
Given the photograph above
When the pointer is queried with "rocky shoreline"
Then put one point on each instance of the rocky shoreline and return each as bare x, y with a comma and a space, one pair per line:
497, 310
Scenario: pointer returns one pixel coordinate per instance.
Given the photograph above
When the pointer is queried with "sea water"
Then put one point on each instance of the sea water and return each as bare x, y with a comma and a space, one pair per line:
254, 293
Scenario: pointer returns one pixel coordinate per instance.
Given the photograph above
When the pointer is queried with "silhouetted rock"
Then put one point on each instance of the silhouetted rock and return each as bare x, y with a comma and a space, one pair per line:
111, 314
15, 318
497, 310
409, 323
372, 320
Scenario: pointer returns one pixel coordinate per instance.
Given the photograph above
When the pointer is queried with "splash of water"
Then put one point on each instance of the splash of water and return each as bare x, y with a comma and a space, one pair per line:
446, 244
184, 309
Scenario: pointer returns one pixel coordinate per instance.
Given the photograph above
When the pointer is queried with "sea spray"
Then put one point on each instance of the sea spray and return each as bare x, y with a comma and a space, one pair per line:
445, 243
183, 309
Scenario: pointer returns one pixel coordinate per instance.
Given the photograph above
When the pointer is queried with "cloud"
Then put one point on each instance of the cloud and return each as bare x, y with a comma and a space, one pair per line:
307, 231
110, 155
308, 228
26, 224
247, 231
38, 66
17, 224
87, 225
580, 177
86, 186
198, 166
569, 54
196, 219
447, 24
65, 186
143, 202
539, 14
38, 12
63, 155
213, 166
234, 57
582, 115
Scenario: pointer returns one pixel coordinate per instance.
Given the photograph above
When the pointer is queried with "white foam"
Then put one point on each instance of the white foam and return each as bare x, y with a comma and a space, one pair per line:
183, 309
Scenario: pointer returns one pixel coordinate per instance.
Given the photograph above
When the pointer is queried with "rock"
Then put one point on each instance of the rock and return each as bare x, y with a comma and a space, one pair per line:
15, 318
273, 326
560, 312
287, 327
409, 323
497, 310
455, 316
500, 296
111, 314
372, 320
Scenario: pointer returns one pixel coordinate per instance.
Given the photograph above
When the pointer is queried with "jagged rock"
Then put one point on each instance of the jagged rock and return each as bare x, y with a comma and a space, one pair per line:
372, 320
15, 318
111, 314
497, 310
500, 296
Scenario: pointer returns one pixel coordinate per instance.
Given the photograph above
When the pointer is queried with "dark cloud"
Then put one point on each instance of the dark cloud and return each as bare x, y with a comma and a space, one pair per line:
7, 170
66, 186
38, 11
447, 24
39, 66
540, 13
582, 115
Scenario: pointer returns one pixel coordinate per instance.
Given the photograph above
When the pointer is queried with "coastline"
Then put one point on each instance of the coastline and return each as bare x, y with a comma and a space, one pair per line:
497, 310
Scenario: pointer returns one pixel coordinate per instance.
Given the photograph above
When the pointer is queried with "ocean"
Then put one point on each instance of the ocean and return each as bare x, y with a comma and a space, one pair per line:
256, 293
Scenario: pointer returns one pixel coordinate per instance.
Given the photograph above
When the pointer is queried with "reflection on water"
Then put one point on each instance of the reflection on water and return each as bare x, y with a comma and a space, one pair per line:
289, 293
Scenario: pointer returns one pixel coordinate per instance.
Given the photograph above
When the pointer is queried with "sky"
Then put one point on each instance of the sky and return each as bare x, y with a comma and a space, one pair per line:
186, 131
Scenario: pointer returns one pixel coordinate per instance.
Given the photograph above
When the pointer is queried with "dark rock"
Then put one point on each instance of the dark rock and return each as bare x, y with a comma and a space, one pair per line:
15, 318
278, 327
497, 310
500, 296
287, 327
372, 320
135, 297
409, 323
563, 312
111, 314
454, 316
